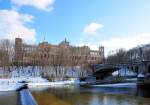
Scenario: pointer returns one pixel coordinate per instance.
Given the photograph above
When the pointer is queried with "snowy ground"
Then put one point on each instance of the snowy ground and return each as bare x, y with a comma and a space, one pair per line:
44, 83
124, 72
5, 86
15, 83
32, 76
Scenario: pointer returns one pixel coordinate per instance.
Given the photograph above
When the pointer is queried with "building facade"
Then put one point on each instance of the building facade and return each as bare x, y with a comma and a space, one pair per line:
62, 54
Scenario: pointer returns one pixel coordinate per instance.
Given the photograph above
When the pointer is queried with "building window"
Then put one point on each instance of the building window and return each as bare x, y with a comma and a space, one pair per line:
44, 55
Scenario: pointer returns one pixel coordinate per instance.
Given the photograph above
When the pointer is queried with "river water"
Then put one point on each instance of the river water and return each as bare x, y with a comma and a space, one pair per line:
9, 98
75, 95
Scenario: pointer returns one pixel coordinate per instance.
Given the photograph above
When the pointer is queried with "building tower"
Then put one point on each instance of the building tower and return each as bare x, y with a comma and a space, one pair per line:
101, 53
64, 43
18, 50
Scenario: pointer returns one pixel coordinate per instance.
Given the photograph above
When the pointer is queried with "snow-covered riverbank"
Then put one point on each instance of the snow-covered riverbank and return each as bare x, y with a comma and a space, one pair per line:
10, 86
56, 83
15, 83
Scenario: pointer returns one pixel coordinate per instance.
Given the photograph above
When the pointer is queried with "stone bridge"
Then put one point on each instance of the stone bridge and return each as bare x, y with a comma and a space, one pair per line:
103, 70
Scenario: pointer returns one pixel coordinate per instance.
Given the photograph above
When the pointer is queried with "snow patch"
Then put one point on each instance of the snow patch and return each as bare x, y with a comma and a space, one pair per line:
117, 85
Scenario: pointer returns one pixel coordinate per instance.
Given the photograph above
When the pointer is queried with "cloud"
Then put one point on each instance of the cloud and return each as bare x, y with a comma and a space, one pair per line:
13, 24
125, 42
46, 5
92, 28
115, 43
92, 46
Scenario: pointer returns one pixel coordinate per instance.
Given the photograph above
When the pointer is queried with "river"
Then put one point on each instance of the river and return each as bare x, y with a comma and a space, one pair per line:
75, 95
9, 98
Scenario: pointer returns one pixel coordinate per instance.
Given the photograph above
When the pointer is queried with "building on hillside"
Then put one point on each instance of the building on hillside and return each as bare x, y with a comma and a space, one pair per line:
61, 54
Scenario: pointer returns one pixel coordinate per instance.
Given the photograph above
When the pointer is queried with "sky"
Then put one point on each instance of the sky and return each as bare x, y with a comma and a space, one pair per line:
113, 24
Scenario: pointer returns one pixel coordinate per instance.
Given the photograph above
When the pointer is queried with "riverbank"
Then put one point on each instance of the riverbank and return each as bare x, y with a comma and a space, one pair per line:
13, 84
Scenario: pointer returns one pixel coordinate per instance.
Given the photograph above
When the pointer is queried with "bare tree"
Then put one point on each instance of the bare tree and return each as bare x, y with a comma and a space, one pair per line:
119, 57
7, 54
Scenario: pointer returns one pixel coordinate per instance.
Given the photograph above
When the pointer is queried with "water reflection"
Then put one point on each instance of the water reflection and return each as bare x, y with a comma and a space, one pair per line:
89, 96
9, 98
143, 91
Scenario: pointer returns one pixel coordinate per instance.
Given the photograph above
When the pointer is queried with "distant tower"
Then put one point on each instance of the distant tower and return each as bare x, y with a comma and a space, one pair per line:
141, 55
64, 43
44, 39
18, 50
101, 53
65, 40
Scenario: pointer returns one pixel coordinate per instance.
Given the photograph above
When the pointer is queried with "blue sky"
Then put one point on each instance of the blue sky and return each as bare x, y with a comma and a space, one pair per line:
112, 23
